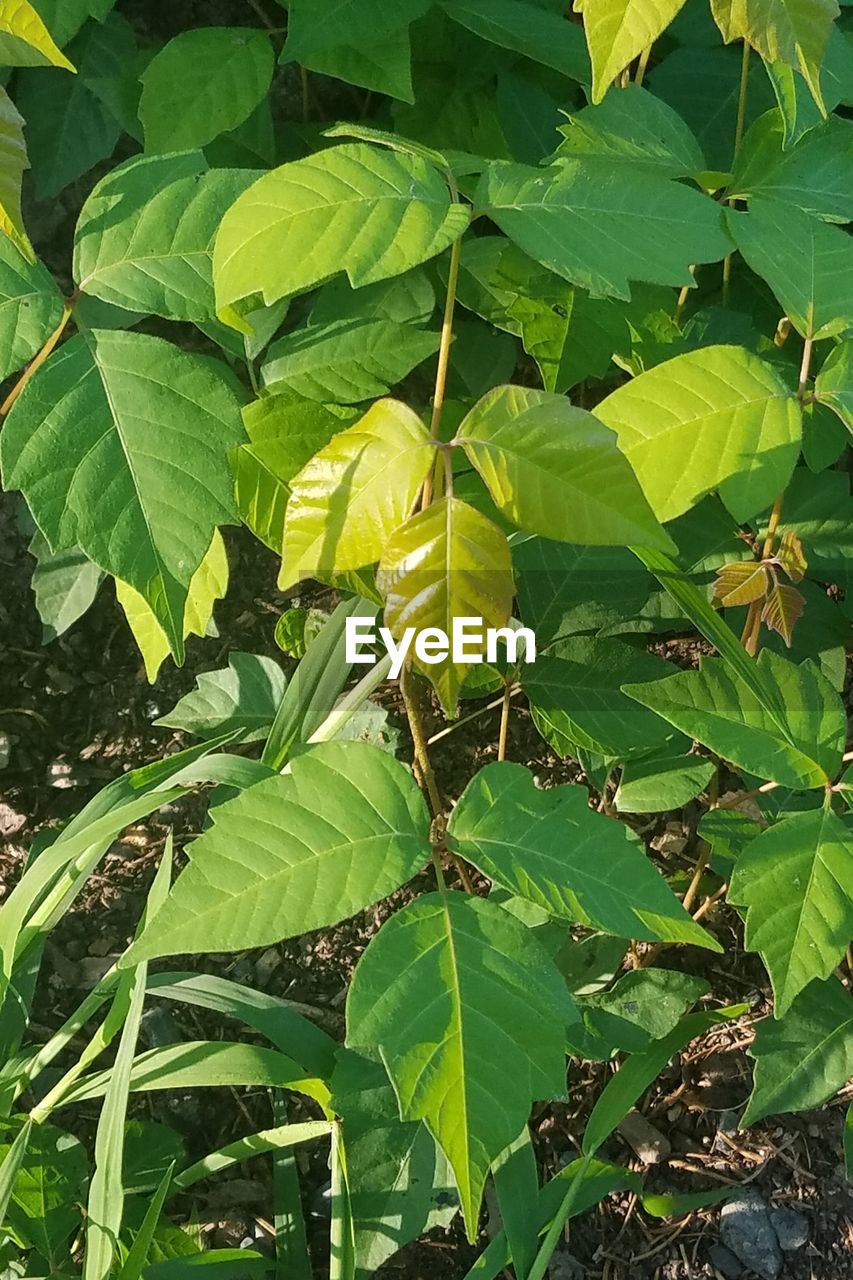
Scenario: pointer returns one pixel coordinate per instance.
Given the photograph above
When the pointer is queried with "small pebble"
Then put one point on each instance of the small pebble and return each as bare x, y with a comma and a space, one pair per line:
791, 1227
725, 1262
746, 1229
649, 1144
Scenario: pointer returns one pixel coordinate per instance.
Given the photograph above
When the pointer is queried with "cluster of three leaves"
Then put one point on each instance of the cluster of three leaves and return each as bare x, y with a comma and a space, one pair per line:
486, 1033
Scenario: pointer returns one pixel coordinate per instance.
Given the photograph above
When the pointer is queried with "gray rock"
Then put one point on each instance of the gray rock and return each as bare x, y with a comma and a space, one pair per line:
10, 820
791, 1227
725, 1262
565, 1266
746, 1229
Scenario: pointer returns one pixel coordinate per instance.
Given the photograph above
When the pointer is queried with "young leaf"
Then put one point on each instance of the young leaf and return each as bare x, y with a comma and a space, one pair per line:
791, 31
144, 238
25, 40
803, 1058
721, 711
371, 212
203, 83
554, 470
551, 214
551, 848
807, 264
43, 1204
13, 162
469, 1014
633, 127
242, 696
714, 418
795, 881
643, 1006
345, 828
348, 360
209, 583
348, 500
618, 30
782, 610
134, 408
446, 562
741, 582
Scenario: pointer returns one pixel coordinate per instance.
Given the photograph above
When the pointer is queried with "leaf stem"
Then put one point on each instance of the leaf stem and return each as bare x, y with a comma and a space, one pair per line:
444, 349
506, 707
36, 363
642, 63
741, 117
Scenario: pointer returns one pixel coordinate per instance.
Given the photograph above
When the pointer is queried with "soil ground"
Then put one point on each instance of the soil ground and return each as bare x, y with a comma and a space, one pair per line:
79, 711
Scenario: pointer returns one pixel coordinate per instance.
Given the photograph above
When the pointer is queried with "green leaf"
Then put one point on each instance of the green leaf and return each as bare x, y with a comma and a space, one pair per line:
68, 128
144, 238
635, 1075
405, 299
803, 1058
848, 1143
554, 470
550, 847
285, 431
703, 86
516, 1180
807, 264
834, 383
348, 500
527, 28
348, 360
401, 1184
13, 162
813, 175
136, 409
566, 590
382, 65
798, 107
660, 782
310, 31
30, 306
714, 418
204, 1064
791, 31
795, 880
44, 1206
208, 584
576, 697
633, 127
242, 696
642, 1006
344, 829
578, 222
25, 40
203, 83
371, 212
468, 1013
722, 712
617, 31
444, 563
64, 585
64, 18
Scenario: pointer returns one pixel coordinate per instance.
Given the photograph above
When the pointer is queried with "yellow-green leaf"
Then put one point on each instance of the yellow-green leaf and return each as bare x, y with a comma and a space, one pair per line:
618, 30
348, 500
740, 583
209, 584
791, 556
24, 39
791, 31
783, 610
13, 162
446, 562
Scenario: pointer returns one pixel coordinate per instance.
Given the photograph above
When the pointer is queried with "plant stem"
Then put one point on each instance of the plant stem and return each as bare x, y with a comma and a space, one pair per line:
642, 63
506, 706
741, 116
38, 360
443, 352
419, 742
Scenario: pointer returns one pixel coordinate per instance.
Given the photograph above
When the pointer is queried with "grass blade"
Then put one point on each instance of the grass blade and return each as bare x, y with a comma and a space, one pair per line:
292, 1259
256, 1144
